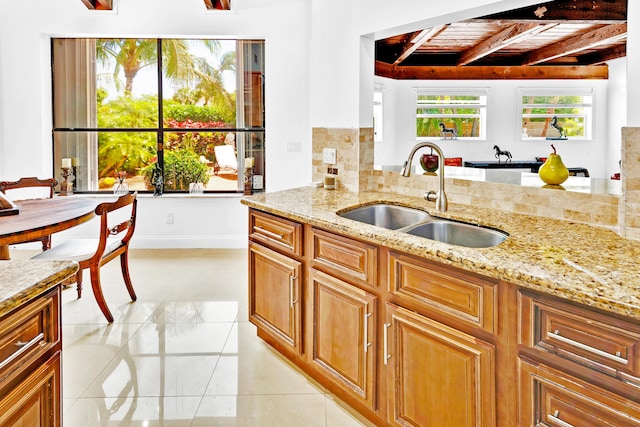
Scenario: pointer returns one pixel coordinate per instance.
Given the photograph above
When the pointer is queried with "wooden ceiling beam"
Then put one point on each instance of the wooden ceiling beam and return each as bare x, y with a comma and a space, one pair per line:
574, 10
607, 34
98, 4
504, 38
605, 55
420, 38
218, 4
555, 72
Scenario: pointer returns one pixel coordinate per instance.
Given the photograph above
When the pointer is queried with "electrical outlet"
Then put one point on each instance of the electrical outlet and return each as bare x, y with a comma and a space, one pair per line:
294, 147
329, 156
170, 218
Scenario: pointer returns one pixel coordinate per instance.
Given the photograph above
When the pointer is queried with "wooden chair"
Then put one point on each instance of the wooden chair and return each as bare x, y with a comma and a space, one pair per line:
92, 254
32, 182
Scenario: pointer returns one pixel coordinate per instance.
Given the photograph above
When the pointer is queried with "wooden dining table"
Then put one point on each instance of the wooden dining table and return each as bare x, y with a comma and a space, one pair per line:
43, 217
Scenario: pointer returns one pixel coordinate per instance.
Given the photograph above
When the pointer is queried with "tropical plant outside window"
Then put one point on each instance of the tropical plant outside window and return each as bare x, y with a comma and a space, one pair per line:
464, 112
131, 106
572, 111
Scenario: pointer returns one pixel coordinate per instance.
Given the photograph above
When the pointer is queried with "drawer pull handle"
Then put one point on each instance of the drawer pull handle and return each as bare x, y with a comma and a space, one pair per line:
367, 344
557, 420
616, 358
387, 356
269, 233
292, 301
24, 347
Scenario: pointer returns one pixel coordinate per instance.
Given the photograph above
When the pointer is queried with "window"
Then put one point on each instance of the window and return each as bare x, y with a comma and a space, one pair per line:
134, 107
545, 113
377, 112
462, 114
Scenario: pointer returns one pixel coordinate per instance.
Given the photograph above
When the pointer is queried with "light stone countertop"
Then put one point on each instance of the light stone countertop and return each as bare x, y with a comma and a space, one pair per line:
578, 262
24, 280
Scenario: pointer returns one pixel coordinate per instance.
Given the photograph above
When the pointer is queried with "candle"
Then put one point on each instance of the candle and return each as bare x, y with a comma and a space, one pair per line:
66, 162
74, 161
248, 162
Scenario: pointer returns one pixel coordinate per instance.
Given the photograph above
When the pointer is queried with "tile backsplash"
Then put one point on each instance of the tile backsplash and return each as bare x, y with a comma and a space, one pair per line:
355, 173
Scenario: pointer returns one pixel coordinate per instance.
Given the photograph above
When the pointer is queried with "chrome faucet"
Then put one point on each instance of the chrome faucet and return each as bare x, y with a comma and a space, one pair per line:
441, 197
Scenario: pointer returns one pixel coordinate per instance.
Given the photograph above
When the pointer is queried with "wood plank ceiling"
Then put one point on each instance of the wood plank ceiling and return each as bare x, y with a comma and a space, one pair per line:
563, 39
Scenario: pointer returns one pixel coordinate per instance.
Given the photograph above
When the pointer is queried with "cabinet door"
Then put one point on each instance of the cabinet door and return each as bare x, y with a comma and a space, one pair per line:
456, 381
555, 399
35, 401
274, 295
343, 338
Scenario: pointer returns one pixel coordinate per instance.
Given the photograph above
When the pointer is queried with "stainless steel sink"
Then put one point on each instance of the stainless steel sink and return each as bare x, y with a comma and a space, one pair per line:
384, 215
458, 233
419, 223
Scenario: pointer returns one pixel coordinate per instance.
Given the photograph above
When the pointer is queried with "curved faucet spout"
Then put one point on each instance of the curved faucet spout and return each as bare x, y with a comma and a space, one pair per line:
440, 197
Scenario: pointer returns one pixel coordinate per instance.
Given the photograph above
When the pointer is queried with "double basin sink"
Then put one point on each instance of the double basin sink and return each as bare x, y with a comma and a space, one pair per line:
419, 223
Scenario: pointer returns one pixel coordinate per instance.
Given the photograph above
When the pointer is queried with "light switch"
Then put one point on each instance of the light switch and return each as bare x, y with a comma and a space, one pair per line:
329, 156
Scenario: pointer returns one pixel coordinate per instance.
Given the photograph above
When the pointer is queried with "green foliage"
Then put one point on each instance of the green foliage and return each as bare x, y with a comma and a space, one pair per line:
197, 113
126, 151
181, 167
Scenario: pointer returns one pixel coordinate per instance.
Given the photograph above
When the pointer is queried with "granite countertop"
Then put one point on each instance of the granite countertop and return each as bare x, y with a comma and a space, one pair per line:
23, 280
578, 262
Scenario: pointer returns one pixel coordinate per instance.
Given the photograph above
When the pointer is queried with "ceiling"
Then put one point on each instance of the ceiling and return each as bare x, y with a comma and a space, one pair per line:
558, 39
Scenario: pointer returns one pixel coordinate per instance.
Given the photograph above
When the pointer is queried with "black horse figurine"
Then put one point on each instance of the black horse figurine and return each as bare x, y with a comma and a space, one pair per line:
500, 153
556, 126
453, 132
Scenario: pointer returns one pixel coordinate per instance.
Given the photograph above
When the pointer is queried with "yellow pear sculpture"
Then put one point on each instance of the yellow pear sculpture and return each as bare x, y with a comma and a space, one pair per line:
553, 171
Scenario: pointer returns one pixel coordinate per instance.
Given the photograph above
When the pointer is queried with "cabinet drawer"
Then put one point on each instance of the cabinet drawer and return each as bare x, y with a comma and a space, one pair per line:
27, 334
599, 341
278, 232
552, 398
347, 258
444, 289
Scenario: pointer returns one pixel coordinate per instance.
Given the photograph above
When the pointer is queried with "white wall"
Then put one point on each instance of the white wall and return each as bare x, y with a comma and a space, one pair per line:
503, 128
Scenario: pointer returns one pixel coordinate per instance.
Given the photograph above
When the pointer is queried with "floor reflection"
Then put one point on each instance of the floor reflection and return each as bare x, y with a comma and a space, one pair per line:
184, 354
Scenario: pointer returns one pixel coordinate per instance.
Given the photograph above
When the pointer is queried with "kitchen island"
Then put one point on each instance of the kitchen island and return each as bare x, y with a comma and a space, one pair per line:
31, 341
398, 325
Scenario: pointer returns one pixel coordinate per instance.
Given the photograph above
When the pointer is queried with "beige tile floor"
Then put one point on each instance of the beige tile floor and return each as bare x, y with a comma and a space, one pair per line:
184, 354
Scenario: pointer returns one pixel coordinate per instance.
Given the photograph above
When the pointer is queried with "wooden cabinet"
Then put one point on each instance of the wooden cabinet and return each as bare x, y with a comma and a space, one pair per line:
579, 367
550, 397
34, 401
30, 345
343, 337
436, 375
274, 295
408, 341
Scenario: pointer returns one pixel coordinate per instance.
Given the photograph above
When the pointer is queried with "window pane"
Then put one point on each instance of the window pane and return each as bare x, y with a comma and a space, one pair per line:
546, 116
199, 79
116, 154
450, 115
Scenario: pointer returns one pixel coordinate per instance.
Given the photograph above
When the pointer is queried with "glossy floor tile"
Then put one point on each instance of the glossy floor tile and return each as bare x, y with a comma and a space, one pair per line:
183, 354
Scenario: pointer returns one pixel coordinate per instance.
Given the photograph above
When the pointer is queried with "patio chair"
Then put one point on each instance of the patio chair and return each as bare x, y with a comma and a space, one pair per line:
94, 253
225, 158
27, 184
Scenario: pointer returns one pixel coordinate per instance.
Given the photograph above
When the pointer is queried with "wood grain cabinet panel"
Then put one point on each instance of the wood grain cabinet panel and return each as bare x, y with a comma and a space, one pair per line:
554, 399
344, 257
444, 289
275, 282
436, 375
343, 338
28, 334
277, 232
34, 401
598, 341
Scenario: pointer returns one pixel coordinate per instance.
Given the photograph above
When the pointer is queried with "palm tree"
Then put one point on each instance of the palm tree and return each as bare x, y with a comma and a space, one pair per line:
178, 64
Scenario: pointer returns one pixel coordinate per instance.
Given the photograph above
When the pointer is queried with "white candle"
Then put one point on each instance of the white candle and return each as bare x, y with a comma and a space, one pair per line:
248, 162
66, 162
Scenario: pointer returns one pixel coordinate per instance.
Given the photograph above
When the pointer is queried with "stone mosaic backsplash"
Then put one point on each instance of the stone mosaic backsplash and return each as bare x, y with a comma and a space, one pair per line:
355, 173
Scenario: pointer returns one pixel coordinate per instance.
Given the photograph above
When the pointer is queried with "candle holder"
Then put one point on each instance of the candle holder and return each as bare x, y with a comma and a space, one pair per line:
66, 187
248, 178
